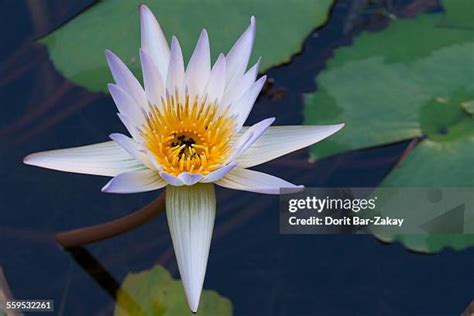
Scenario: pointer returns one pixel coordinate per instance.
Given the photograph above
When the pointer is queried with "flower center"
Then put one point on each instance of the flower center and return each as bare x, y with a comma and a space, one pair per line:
190, 136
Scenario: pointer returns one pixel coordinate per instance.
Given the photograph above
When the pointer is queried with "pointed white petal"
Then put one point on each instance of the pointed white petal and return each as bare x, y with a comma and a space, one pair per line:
216, 84
134, 182
244, 105
239, 55
156, 165
132, 148
191, 211
250, 136
175, 78
240, 85
104, 159
254, 181
199, 67
125, 79
219, 173
154, 85
130, 125
153, 40
126, 105
281, 140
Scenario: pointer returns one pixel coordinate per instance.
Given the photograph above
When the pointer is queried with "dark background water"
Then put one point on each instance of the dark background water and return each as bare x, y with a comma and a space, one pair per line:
261, 271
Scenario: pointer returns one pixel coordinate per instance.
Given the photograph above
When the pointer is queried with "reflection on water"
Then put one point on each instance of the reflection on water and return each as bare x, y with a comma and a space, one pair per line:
261, 271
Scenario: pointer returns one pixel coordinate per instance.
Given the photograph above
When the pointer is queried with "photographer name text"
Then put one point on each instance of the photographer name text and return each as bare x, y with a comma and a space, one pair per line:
345, 221
327, 204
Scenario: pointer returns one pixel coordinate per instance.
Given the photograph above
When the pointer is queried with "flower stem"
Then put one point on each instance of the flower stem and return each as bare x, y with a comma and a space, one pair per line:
86, 235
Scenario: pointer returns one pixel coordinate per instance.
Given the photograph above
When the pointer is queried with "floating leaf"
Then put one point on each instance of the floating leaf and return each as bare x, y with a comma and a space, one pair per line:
436, 217
77, 48
382, 81
155, 293
397, 85
441, 160
381, 103
402, 41
459, 14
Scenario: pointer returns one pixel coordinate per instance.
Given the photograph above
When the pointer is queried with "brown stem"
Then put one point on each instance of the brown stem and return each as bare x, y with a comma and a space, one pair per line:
86, 235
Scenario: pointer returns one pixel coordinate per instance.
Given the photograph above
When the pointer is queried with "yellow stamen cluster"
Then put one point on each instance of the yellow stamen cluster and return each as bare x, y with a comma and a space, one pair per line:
190, 136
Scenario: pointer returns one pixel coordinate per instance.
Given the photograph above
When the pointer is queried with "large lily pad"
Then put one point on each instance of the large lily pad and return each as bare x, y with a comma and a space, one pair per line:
77, 48
155, 293
433, 218
381, 82
442, 160
381, 102
413, 80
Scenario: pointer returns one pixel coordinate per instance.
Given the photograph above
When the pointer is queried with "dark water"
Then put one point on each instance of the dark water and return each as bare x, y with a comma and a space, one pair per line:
261, 271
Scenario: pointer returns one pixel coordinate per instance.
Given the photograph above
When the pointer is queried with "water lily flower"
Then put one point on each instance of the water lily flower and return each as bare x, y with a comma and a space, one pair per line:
186, 127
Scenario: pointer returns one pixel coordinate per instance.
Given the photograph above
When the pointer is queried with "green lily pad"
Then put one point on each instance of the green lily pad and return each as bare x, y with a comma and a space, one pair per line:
444, 223
434, 218
396, 85
441, 160
381, 83
155, 293
401, 41
381, 103
77, 48
459, 14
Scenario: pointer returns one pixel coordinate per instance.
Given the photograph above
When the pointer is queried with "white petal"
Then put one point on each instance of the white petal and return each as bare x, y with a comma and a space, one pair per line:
153, 40
175, 78
254, 181
216, 84
250, 136
219, 173
199, 67
154, 85
240, 85
125, 79
170, 179
281, 140
184, 178
189, 178
126, 105
239, 55
104, 159
132, 148
130, 125
191, 212
244, 105
134, 182
151, 158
